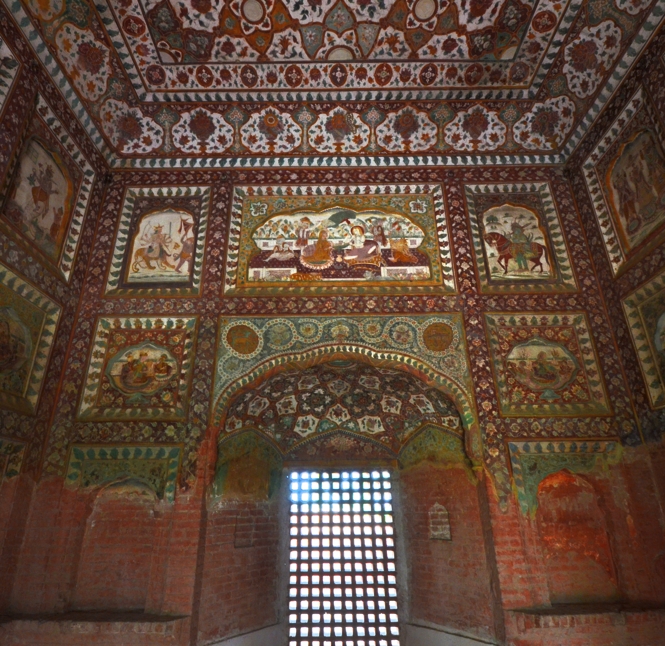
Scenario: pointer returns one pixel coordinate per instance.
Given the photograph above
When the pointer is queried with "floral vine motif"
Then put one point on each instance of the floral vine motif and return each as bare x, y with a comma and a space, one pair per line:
201, 131
476, 129
590, 56
546, 126
339, 131
129, 129
271, 131
406, 130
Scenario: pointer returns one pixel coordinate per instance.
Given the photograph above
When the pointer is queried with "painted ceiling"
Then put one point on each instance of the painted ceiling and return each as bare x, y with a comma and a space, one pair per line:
253, 78
387, 405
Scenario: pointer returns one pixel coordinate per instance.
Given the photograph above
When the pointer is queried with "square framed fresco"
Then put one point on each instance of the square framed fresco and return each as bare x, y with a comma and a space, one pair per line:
338, 239
545, 365
625, 175
139, 368
47, 192
518, 242
160, 242
28, 324
645, 312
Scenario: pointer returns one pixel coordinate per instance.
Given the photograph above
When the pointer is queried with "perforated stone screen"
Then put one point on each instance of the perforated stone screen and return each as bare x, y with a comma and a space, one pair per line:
342, 580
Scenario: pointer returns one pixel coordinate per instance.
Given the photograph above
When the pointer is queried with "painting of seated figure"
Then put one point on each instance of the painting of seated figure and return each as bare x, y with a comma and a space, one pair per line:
375, 238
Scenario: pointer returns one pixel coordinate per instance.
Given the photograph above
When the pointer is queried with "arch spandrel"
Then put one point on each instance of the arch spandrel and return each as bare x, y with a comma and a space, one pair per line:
432, 348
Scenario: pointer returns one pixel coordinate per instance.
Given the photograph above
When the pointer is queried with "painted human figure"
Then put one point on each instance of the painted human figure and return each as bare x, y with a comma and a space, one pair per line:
43, 186
521, 244
187, 244
281, 251
320, 252
155, 246
542, 369
361, 248
378, 233
302, 232
162, 367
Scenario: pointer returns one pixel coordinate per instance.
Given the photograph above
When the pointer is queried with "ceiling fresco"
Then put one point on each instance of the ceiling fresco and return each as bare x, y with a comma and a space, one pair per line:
259, 78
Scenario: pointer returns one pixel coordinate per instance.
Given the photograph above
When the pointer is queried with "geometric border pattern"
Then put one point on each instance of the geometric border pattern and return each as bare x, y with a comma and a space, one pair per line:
93, 380
442, 234
122, 239
14, 451
28, 402
573, 454
631, 304
125, 455
8, 73
553, 223
615, 254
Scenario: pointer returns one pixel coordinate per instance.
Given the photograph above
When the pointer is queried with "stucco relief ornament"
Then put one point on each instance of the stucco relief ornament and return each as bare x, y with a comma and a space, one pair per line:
129, 129
407, 130
201, 131
589, 57
545, 127
339, 131
271, 131
476, 129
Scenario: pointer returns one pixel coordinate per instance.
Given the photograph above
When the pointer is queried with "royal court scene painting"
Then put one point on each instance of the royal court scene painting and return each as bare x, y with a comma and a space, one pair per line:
378, 238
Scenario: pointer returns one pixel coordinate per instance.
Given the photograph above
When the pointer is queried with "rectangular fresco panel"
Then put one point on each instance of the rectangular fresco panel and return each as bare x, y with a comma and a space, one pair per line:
140, 368
545, 365
160, 242
28, 322
329, 239
645, 312
625, 175
48, 192
517, 239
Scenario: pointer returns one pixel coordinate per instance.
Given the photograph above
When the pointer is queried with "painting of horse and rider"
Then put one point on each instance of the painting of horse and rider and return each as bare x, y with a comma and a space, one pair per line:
516, 245
42, 197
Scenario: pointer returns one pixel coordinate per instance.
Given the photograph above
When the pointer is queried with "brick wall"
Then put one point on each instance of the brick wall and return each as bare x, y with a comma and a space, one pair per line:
240, 574
449, 581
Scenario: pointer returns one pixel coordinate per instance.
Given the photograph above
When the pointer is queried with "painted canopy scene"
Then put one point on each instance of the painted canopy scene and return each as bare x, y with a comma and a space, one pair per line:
42, 197
317, 241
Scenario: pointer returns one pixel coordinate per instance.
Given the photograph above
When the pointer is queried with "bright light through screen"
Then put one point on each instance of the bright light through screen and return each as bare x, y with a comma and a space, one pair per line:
342, 586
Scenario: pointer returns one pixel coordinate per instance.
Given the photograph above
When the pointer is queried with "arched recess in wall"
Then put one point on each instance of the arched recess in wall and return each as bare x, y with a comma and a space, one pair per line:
459, 395
573, 531
110, 576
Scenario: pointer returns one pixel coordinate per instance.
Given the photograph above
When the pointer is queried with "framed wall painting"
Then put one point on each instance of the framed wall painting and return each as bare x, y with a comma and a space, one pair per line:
645, 312
47, 192
139, 368
160, 242
518, 241
338, 239
28, 324
625, 175
545, 365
